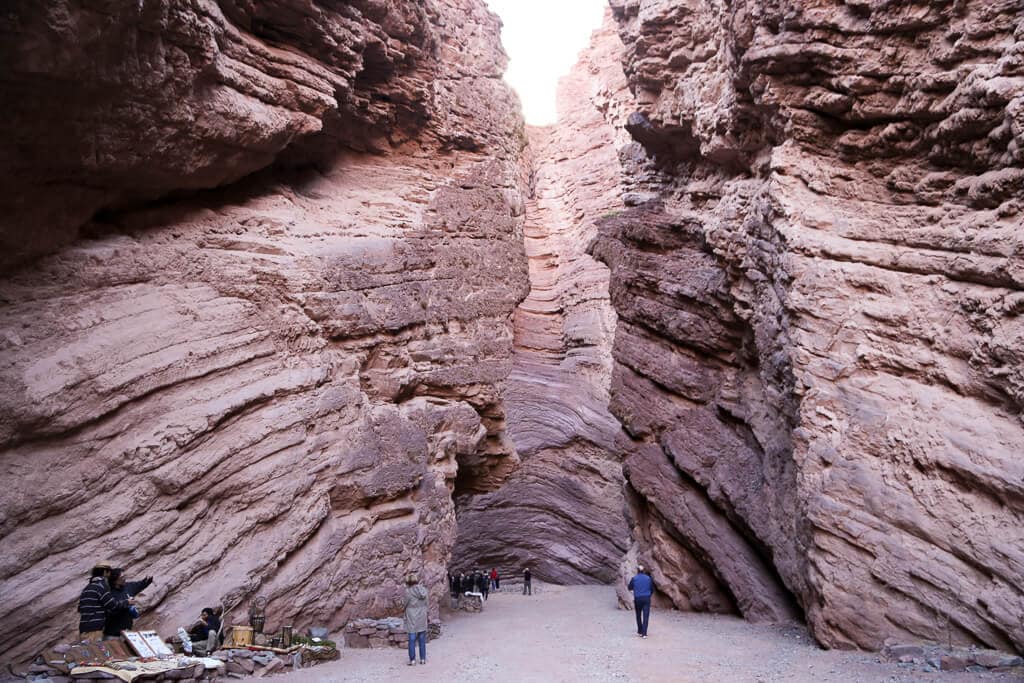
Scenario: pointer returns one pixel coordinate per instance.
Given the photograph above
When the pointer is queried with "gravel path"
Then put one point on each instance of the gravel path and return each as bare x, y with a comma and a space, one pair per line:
564, 634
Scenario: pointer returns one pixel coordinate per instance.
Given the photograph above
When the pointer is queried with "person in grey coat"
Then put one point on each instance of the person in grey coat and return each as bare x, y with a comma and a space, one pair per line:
416, 617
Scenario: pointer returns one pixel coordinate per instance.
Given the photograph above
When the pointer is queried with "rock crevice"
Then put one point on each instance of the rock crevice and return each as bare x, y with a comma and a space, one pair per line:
560, 511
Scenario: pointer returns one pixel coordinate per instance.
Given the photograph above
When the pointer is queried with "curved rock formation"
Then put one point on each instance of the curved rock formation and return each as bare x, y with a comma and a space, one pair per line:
266, 389
819, 347
561, 512
279, 283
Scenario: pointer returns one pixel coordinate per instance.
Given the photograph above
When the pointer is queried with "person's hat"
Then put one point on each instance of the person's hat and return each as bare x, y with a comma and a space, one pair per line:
639, 567
103, 564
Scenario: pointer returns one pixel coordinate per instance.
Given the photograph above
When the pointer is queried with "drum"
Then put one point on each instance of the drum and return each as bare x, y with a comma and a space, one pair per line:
241, 636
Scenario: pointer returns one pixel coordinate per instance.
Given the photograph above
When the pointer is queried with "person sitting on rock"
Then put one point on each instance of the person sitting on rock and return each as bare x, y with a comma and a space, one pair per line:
205, 632
96, 603
122, 618
207, 622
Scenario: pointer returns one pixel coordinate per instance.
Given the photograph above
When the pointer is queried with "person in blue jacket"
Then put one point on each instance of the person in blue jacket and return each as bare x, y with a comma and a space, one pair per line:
642, 587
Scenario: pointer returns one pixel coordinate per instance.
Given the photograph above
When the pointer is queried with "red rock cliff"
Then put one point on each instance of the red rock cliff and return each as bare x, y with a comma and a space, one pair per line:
265, 389
265, 308
818, 355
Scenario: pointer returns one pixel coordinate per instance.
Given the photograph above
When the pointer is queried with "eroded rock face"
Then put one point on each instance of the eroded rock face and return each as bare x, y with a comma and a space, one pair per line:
194, 95
819, 346
277, 387
561, 512
265, 390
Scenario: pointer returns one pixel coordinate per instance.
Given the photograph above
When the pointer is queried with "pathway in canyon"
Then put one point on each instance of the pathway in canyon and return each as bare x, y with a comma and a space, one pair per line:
575, 633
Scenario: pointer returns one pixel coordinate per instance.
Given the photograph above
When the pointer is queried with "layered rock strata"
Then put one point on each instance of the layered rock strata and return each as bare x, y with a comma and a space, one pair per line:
818, 354
561, 512
815, 258
116, 102
266, 389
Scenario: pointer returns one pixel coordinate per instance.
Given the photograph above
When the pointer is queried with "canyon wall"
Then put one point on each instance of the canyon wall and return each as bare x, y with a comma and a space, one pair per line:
268, 388
561, 512
819, 355
288, 292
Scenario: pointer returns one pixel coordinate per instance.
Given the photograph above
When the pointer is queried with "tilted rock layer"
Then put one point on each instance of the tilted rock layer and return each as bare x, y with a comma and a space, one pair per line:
265, 390
266, 308
819, 353
115, 102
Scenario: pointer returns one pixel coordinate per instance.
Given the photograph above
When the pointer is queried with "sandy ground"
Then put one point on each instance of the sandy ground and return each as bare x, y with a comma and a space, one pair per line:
564, 634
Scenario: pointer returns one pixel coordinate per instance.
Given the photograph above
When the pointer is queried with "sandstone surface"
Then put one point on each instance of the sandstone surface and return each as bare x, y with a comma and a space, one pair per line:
266, 389
561, 511
820, 346
116, 102
288, 293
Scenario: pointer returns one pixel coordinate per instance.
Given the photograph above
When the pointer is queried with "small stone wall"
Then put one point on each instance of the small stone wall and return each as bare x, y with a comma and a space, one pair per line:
240, 663
928, 658
381, 633
236, 663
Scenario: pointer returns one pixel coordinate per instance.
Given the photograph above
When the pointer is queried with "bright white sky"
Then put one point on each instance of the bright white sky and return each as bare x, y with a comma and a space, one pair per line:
543, 39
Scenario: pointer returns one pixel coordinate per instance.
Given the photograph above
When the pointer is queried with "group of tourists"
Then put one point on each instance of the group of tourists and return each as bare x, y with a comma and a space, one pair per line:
473, 582
459, 583
106, 606
416, 601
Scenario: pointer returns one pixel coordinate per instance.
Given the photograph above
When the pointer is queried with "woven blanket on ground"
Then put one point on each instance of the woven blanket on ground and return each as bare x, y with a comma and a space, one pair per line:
130, 671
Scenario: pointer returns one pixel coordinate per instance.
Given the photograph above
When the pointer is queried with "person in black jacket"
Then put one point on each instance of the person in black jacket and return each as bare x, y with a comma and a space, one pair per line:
208, 622
96, 603
485, 584
121, 619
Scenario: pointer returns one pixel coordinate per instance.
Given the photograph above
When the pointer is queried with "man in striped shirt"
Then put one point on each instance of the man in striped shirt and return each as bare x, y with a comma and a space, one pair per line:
96, 602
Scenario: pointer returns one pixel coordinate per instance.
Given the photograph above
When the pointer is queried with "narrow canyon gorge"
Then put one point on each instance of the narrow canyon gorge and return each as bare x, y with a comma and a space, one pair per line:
293, 302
